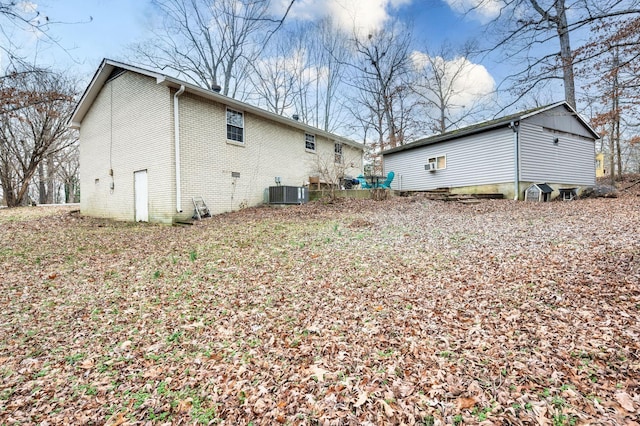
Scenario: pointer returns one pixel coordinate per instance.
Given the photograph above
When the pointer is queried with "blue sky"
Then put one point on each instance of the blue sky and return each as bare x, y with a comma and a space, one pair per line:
92, 30
96, 29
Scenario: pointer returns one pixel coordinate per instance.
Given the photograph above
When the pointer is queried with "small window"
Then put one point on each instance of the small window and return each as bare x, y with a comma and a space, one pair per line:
235, 126
337, 149
309, 142
440, 162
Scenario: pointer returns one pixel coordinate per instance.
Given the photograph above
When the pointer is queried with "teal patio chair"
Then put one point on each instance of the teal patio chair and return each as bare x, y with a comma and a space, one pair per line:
363, 182
387, 183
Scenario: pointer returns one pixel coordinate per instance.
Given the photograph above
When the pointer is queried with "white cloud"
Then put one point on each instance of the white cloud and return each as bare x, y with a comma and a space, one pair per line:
482, 10
471, 82
361, 15
27, 7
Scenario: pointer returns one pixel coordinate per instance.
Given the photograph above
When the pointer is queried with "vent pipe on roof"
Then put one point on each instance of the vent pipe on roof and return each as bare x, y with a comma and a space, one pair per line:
295, 117
176, 140
216, 88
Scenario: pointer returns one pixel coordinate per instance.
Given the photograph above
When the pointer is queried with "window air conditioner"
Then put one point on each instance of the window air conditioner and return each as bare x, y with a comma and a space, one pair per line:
430, 167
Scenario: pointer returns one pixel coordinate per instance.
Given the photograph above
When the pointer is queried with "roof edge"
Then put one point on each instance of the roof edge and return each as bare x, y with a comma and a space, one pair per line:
490, 125
105, 68
567, 105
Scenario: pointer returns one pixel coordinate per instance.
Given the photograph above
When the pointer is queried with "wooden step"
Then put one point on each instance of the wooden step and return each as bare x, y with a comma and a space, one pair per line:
444, 194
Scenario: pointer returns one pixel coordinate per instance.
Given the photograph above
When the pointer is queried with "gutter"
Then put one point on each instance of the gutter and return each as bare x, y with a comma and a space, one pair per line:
515, 126
176, 139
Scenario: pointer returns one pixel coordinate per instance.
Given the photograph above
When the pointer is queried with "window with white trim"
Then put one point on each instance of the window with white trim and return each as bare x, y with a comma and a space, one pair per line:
337, 149
235, 126
439, 161
309, 142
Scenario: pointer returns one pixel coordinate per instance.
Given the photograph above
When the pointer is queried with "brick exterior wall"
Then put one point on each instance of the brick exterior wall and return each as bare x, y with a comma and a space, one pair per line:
270, 149
140, 137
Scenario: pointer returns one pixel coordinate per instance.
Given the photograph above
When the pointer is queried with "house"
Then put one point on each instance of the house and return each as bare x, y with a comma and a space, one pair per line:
600, 170
550, 144
150, 143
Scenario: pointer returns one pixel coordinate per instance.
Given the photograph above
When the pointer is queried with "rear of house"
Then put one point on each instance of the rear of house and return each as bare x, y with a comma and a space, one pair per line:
150, 143
557, 148
551, 144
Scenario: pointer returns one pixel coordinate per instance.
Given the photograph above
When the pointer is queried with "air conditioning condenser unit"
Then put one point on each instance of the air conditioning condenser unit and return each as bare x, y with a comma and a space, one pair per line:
288, 195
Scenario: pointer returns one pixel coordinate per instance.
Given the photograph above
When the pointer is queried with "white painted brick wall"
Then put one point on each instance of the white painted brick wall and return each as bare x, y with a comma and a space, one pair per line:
270, 149
140, 137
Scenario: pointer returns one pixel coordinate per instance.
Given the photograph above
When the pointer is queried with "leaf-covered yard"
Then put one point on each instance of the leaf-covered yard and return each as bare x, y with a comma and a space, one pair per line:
399, 311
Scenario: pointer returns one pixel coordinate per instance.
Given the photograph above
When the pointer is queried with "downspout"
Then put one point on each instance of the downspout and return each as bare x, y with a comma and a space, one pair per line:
515, 126
176, 139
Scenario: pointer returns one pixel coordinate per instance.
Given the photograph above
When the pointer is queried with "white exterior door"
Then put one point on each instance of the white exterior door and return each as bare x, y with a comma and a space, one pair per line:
141, 194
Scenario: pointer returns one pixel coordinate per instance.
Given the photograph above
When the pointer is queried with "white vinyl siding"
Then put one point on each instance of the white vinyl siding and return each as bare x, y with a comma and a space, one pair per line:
562, 120
479, 159
569, 161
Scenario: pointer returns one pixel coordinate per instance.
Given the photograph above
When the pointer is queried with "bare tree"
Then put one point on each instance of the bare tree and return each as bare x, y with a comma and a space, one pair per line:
527, 30
614, 52
67, 173
302, 72
282, 78
18, 17
57, 179
17, 20
33, 125
447, 91
333, 168
34, 106
380, 79
331, 52
274, 78
209, 42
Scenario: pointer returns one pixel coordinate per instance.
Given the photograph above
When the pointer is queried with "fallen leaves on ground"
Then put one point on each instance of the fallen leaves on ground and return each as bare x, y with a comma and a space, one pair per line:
404, 311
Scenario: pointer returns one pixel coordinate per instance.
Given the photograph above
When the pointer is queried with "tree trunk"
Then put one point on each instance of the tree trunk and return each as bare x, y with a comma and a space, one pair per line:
7, 190
71, 190
566, 55
67, 192
392, 129
374, 155
618, 147
612, 150
50, 179
615, 122
42, 188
